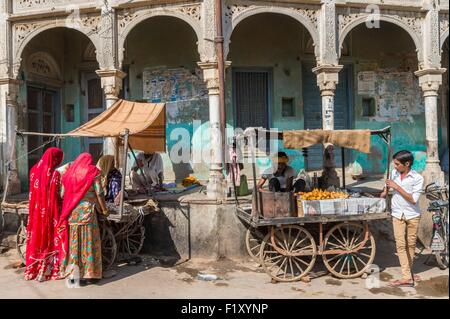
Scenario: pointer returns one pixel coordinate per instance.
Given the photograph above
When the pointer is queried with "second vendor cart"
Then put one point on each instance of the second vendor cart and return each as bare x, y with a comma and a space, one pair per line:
285, 248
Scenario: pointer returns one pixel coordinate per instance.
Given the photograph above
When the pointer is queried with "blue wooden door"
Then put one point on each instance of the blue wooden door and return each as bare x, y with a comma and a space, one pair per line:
312, 102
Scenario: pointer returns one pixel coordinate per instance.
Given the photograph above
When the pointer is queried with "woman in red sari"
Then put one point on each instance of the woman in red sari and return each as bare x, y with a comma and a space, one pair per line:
42, 261
83, 196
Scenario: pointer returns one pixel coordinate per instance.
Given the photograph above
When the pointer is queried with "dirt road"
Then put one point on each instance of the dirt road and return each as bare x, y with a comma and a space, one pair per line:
236, 279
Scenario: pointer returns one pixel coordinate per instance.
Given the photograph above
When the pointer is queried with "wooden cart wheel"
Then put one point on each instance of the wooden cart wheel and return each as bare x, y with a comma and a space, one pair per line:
298, 253
132, 244
253, 240
109, 246
21, 242
348, 250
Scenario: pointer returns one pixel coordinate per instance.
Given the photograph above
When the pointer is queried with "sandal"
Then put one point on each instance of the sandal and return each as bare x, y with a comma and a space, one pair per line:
401, 283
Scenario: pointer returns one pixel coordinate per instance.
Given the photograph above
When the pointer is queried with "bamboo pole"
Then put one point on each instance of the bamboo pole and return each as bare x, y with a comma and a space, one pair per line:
125, 156
219, 40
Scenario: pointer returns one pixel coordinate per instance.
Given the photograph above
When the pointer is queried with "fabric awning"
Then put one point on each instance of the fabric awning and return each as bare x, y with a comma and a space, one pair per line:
145, 121
354, 139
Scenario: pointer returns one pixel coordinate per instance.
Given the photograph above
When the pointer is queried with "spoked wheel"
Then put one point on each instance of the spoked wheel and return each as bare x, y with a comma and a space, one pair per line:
288, 253
253, 239
109, 247
349, 249
130, 244
442, 256
21, 242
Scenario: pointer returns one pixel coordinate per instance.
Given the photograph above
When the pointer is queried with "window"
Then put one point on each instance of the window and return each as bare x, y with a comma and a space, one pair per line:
287, 107
368, 106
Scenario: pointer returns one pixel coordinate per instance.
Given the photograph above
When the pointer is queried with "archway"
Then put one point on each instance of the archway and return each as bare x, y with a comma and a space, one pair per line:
270, 54
160, 58
386, 92
59, 91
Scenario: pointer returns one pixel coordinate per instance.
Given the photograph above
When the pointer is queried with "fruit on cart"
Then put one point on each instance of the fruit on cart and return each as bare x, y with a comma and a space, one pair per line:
318, 194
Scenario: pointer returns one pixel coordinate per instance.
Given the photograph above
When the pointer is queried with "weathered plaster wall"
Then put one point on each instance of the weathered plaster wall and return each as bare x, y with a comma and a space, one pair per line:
183, 230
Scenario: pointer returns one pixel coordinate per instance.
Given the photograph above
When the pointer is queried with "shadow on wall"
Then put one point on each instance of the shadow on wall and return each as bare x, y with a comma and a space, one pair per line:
160, 233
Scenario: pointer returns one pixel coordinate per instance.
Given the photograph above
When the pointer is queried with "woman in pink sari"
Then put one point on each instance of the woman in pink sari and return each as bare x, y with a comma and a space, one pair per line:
42, 262
83, 196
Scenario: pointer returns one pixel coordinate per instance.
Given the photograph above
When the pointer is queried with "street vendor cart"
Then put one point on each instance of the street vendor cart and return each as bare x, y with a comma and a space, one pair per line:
282, 235
132, 126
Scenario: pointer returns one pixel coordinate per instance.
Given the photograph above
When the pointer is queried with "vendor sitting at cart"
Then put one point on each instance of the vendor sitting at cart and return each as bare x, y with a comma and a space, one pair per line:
281, 176
151, 165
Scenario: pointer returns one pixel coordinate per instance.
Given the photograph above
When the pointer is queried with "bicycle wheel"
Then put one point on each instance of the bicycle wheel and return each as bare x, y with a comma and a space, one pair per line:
442, 255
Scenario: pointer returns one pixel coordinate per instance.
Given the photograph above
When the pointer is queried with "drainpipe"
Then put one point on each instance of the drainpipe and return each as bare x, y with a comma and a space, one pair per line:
219, 40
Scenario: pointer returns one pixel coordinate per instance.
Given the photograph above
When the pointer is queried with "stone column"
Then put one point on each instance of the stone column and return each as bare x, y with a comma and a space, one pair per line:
327, 79
216, 188
429, 81
111, 84
10, 88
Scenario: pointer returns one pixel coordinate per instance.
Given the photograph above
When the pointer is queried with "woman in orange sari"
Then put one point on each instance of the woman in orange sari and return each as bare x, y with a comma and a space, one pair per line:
83, 196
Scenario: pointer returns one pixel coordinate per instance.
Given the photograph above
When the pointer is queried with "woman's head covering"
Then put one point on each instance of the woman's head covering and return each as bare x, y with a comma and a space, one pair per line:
106, 165
41, 173
77, 181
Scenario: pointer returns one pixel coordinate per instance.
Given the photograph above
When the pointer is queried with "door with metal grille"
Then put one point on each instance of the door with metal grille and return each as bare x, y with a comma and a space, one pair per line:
41, 106
252, 91
95, 105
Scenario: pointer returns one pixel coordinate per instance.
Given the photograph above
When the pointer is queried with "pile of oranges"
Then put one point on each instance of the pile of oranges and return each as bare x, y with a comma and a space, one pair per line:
318, 194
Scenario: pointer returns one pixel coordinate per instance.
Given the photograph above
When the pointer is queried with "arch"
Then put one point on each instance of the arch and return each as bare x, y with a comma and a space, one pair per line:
444, 37
89, 53
58, 24
151, 14
304, 21
354, 23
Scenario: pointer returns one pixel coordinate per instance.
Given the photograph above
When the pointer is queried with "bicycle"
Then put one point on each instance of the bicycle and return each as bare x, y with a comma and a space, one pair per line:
438, 206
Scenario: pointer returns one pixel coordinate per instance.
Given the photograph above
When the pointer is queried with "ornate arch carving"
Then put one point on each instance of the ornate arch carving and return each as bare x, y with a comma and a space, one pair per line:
235, 14
443, 28
24, 32
412, 25
128, 19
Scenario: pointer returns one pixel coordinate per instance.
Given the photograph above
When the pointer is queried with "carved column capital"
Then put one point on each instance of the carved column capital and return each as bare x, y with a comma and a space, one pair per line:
327, 78
11, 92
211, 75
111, 82
430, 80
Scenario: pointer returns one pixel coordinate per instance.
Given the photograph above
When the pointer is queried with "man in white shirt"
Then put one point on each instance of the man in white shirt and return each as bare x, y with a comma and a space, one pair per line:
151, 164
407, 185
281, 176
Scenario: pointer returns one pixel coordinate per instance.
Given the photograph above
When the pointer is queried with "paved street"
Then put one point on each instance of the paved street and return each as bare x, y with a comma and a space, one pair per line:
237, 279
